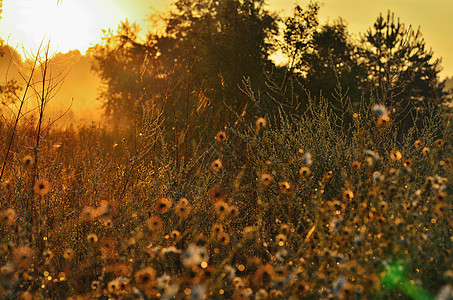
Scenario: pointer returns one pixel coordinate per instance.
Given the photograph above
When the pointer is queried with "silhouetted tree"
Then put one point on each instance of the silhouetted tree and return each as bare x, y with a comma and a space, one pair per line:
401, 70
321, 57
204, 51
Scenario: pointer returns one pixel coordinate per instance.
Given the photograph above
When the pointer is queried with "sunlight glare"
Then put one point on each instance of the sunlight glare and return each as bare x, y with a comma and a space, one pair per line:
68, 24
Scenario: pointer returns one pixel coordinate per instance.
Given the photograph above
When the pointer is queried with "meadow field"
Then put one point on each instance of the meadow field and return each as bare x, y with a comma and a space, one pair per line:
276, 206
211, 171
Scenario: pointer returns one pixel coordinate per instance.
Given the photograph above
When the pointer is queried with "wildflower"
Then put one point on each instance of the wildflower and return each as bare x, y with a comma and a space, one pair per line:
304, 171
105, 209
216, 229
113, 286
88, 213
377, 176
280, 239
95, 285
23, 256
26, 296
356, 165
194, 255
355, 115
7, 271
223, 238
440, 208
41, 187
371, 157
108, 223
395, 155
216, 165
348, 195
383, 121
221, 136
8, 217
163, 281
145, 277
418, 144
439, 143
380, 109
28, 161
68, 254
408, 163
426, 151
154, 223
284, 186
260, 123
307, 159
92, 238
234, 211
198, 292
221, 208
217, 194
265, 273
266, 179
183, 208
327, 176
48, 254
163, 205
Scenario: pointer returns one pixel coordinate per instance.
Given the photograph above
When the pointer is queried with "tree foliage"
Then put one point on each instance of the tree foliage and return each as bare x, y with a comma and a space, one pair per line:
400, 67
204, 51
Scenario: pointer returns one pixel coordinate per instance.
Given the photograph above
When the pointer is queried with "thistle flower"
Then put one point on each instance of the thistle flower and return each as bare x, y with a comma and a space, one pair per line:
92, 238
221, 136
374, 155
280, 239
266, 179
234, 211
89, 213
223, 238
183, 208
105, 209
221, 208
377, 176
28, 161
418, 144
23, 256
162, 205
216, 229
307, 159
260, 123
383, 121
194, 255
426, 151
145, 277
304, 171
348, 195
395, 155
41, 187
408, 163
284, 187
216, 165
217, 194
154, 223
356, 165
68, 254
8, 217
439, 143
265, 273
380, 109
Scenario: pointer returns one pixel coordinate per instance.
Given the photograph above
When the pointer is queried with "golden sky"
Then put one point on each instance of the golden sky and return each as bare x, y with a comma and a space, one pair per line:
77, 24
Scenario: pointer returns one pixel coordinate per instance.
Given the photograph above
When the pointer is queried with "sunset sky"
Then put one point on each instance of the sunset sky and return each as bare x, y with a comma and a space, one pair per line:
77, 24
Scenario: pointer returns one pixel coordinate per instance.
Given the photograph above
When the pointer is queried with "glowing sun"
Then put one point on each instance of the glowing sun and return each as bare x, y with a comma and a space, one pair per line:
67, 24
